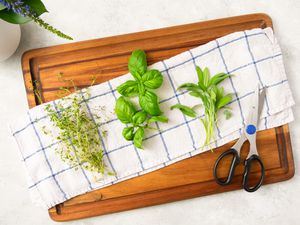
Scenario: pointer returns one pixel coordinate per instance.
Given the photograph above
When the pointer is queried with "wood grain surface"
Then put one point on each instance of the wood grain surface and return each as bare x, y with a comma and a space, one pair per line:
107, 58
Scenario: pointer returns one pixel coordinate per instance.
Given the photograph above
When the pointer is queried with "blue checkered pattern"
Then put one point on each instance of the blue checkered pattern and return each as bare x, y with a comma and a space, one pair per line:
178, 139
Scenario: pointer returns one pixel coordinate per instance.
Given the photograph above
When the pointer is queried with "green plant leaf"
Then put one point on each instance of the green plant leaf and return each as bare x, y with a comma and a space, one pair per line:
138, 137
162, 119
200, 75
213, 93
206, 77
188, 86
9, 16
2, 6
152, 79
128, 89
218, 78
139, 117
124, 110
220, 93
137, 64
185, 110
195, 94
149, 103
224, 101
128, 133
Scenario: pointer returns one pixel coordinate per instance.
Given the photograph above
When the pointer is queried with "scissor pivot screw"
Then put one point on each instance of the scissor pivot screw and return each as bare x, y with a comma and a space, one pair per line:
251, 129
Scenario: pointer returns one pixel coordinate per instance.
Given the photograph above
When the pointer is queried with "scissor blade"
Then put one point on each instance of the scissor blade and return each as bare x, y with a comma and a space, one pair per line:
262, 96
253, 112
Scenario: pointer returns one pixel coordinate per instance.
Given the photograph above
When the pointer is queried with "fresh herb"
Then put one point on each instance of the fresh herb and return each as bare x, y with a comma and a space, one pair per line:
80, 144
23, 11
35, 87
144, 82
212, 97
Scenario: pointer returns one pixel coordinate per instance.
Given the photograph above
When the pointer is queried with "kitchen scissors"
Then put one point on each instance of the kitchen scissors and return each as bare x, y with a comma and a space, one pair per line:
249, 133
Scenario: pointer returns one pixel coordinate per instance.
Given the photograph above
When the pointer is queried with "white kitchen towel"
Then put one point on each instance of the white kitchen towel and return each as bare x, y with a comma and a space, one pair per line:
252, 56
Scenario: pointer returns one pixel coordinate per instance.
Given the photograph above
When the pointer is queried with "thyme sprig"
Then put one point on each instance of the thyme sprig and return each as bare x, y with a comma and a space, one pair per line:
80, 144
79, 132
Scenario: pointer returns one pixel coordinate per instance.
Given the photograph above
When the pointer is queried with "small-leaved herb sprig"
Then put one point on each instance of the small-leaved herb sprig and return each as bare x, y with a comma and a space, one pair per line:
80, 144
212, 97
144, 82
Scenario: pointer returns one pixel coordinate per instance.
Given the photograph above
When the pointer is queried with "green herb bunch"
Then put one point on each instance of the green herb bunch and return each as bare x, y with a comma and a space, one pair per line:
80, 144
144, 82
24, 11
212, 97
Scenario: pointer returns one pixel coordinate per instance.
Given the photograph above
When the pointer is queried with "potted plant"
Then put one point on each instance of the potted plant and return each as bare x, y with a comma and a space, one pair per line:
16, 12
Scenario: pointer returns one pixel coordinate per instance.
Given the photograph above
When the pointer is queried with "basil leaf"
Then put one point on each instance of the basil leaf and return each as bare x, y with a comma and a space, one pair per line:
162, 119
35, 5
141, 88
137, 64
152, 79
128, 133
139, 117
185, 110
128, 89
149, 103
138, 137
124, 110
224, 101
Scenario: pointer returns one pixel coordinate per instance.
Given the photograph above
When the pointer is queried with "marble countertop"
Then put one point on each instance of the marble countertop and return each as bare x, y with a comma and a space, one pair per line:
272, 204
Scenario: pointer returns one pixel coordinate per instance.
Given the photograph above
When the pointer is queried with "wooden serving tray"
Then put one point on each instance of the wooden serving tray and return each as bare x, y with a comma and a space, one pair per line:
107, 58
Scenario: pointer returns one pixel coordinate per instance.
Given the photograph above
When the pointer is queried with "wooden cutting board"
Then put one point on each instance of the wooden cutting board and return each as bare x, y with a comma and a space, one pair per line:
107, 58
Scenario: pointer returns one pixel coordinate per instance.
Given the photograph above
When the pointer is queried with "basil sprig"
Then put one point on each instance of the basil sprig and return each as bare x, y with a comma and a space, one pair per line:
145, 81
212, 97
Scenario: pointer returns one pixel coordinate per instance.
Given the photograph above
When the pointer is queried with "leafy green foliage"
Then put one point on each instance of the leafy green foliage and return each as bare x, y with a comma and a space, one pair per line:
185, 110
2, 6
79, 133
124, 110
149, 102
139, 118
137, 64
138, 137
162, 119
212, 98
9, 16
144, 82
128, 133
152, 79
79, 142
25, 11
129, 88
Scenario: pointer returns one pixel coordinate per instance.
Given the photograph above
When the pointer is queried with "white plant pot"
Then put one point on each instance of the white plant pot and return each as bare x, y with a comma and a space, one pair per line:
10, 35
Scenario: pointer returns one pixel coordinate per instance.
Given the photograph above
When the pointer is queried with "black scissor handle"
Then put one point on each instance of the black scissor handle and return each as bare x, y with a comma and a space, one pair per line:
248, 164
235, 161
